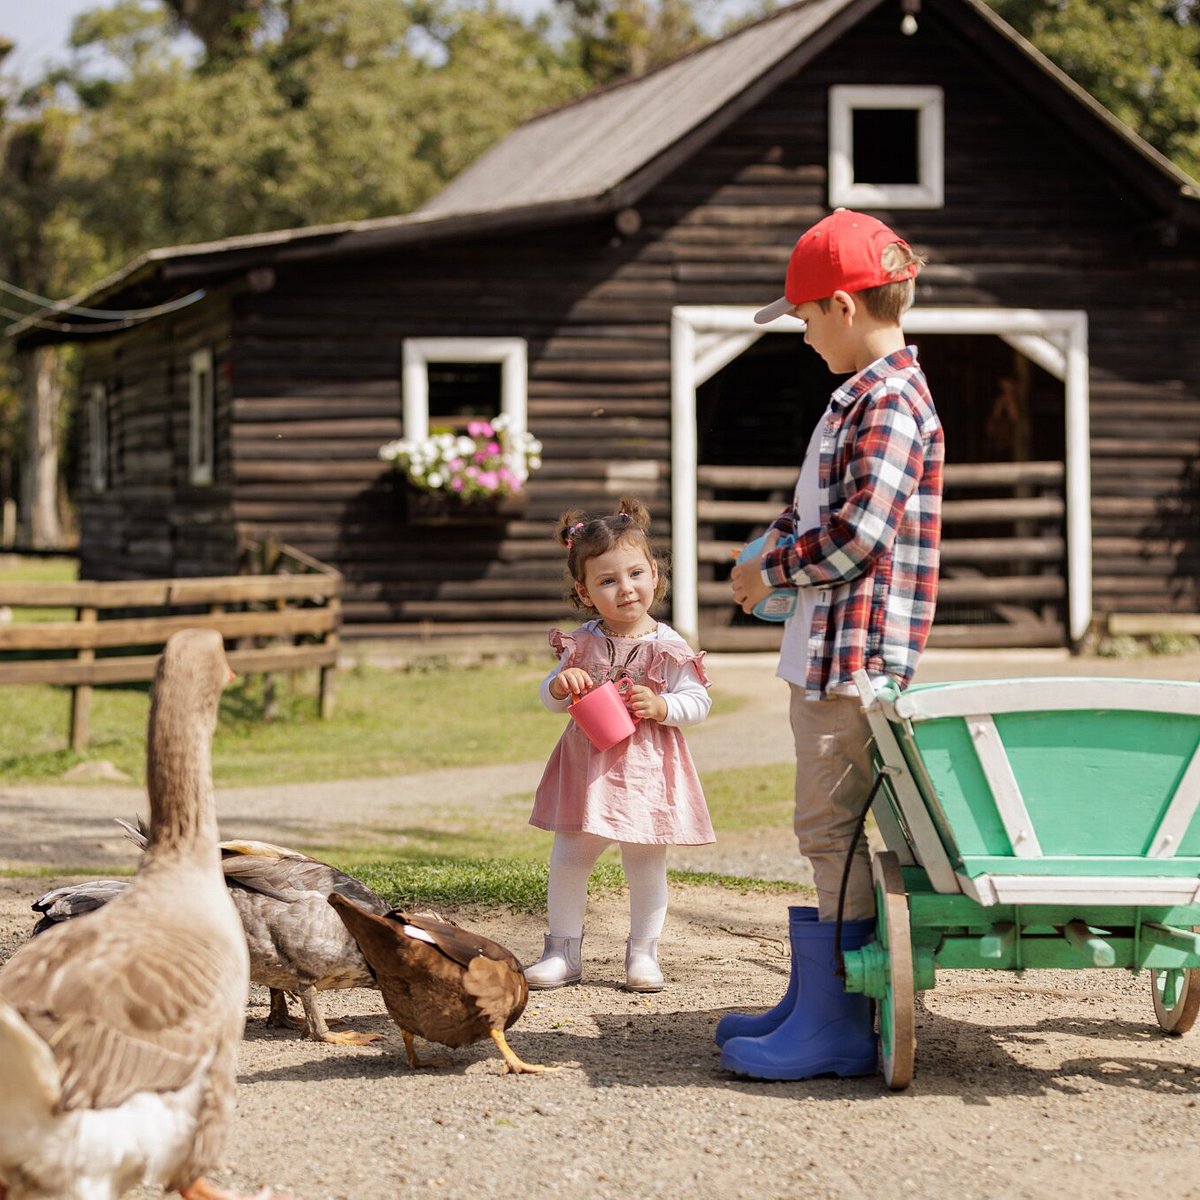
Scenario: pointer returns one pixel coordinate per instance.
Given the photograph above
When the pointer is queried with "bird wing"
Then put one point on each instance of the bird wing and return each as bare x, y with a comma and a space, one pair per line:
462, 945
74, 900
291, 878
499, 991
123, 1008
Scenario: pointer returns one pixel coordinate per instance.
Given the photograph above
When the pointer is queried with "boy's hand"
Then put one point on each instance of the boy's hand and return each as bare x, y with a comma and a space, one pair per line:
574, 681
644, 703
746, 581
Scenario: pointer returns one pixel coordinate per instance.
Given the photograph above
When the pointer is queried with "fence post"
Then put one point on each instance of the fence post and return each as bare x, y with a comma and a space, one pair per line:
332, 640
81, 693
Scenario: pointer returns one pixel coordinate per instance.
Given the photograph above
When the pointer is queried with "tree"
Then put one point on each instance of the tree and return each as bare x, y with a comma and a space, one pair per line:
614, 39
1139, 58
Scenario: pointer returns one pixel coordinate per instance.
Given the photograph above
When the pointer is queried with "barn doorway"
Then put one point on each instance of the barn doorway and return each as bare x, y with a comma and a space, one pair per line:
1011, 391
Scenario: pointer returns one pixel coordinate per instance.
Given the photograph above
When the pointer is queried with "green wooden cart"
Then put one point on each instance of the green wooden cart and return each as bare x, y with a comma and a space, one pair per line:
1033, 823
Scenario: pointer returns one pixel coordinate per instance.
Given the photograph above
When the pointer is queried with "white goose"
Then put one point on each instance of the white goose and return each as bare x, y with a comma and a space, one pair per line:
119, 1030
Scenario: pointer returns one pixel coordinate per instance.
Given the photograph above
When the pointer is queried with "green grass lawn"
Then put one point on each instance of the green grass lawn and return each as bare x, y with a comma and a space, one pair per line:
386, 723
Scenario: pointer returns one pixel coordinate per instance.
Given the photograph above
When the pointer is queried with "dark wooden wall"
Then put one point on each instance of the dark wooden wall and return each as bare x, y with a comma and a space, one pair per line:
1032, 218
151, 521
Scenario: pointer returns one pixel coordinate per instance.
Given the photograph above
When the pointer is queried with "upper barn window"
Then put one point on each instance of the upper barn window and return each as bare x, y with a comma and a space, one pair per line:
885, 147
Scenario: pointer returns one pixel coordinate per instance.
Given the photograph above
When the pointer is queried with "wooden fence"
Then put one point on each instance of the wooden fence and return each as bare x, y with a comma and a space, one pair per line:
1003, 571
288, 620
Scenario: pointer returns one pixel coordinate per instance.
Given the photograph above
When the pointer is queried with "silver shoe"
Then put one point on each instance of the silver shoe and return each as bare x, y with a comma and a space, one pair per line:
561, 963
641, 965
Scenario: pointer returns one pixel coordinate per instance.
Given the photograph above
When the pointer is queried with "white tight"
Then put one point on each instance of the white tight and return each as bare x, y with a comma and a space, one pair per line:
571, 862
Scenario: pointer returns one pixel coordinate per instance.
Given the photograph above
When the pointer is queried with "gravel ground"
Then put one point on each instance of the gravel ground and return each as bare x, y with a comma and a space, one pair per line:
1046, 1084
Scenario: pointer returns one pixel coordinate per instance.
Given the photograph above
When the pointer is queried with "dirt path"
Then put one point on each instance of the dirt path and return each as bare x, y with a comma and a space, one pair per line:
1054, 1084
1048, 1084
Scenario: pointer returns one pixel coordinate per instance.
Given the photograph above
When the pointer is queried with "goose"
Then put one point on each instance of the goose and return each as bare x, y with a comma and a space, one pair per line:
297, 943
119, 1030
440, 981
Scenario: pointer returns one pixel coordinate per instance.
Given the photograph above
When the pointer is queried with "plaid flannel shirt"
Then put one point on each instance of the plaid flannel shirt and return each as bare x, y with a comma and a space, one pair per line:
874, 558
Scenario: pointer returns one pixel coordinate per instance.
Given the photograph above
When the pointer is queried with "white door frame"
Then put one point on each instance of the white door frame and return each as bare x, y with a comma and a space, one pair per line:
705, 339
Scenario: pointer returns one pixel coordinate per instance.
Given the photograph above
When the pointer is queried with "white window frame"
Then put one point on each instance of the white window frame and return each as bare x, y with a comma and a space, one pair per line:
928, 104
98, 437
202, 418
510, 353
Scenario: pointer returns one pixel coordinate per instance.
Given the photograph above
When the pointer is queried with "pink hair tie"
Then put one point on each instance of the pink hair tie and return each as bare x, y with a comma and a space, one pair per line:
570, 539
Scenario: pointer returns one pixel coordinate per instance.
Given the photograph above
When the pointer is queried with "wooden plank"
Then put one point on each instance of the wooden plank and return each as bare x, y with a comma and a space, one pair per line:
142, 631
228, 589
139, 668
1149, 623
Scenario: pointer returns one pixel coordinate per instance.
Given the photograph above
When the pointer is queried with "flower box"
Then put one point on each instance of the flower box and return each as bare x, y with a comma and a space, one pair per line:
419, 506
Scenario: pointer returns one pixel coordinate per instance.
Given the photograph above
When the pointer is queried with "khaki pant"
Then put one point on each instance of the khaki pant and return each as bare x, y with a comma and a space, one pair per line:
834, 773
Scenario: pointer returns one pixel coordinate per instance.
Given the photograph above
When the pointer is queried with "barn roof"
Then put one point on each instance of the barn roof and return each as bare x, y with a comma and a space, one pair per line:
600, 153
604, 142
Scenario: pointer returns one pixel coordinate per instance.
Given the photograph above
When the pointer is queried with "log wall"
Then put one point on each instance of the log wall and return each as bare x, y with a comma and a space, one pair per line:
310, 378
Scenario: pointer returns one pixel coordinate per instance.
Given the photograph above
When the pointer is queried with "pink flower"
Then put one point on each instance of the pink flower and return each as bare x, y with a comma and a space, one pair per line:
479, 429
488, 480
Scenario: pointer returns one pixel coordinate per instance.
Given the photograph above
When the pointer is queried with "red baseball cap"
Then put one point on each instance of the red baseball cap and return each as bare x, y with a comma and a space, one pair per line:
843, 252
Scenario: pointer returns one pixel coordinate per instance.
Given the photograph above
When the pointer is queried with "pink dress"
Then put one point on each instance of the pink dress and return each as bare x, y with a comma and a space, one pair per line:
645, 789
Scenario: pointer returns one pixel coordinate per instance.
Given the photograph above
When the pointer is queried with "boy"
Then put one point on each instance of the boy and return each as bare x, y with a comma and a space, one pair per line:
867, 525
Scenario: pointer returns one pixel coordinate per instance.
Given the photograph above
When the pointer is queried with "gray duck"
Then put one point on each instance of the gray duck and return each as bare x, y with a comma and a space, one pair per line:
297, 944
119, 1030
440, 981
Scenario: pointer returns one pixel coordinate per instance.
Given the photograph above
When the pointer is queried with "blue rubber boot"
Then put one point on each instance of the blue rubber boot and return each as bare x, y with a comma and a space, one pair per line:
733, 1025
829, 1031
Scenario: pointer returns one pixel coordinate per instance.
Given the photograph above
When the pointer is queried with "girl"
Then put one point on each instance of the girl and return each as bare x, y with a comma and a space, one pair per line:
643, 793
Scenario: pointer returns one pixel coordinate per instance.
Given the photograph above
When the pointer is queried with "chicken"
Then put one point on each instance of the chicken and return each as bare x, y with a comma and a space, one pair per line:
440, 981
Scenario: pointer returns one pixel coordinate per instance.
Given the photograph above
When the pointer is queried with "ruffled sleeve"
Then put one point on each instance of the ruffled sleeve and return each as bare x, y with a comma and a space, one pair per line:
561, 642
678, 674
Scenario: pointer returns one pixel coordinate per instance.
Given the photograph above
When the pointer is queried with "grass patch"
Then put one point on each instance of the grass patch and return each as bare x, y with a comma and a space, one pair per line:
386, 723
516, 883
16, 569
453, 882
754, 797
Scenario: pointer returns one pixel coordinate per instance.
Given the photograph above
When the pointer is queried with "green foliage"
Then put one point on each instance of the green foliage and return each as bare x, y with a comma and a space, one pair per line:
614, 39
1139, 58
333, 110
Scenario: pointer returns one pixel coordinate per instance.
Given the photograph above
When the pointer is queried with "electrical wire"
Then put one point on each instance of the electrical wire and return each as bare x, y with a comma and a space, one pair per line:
75, 310
135, 316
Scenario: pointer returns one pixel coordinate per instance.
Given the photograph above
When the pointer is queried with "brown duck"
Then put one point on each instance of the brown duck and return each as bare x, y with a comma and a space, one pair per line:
119, 1031
440, 981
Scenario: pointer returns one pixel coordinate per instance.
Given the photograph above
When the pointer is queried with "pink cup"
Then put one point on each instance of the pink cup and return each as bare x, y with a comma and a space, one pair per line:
602, 715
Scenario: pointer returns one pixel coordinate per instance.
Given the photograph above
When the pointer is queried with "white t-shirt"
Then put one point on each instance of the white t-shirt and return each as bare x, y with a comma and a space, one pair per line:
806, 500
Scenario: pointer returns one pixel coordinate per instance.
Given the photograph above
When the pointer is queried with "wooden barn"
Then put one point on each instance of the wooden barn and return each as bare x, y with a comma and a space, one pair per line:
593, 276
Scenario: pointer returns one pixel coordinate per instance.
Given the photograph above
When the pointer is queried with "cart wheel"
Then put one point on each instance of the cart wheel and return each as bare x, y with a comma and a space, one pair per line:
1183, 985
897, 1033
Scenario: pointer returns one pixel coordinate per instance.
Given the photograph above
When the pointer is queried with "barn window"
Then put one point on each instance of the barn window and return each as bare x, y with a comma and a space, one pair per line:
202, 431
450, 381
885, 147
98, 437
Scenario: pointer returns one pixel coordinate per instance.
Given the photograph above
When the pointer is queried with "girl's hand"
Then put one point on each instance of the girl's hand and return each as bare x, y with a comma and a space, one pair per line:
644, 703
573, 681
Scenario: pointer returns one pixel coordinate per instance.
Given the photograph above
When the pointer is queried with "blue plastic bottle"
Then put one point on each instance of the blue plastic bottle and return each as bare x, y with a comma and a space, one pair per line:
781, 603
